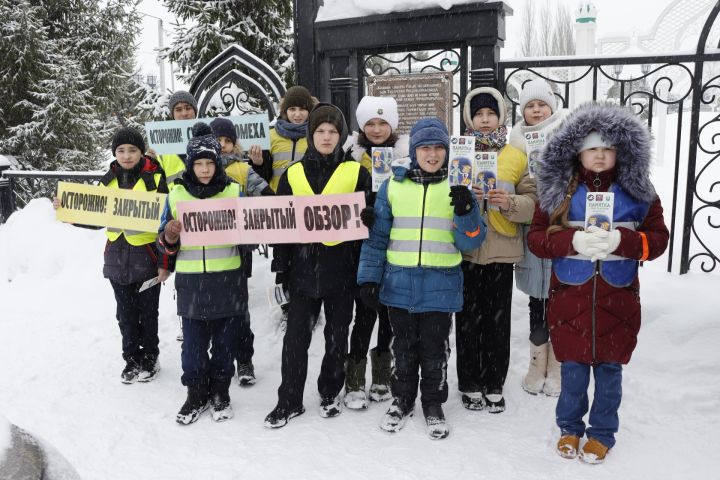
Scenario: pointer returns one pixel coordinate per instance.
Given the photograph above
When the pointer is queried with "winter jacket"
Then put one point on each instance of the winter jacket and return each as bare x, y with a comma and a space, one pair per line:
249, 180
596, 322
416, 289
532, 274
125, 263
315, 269
283, 152
209, 295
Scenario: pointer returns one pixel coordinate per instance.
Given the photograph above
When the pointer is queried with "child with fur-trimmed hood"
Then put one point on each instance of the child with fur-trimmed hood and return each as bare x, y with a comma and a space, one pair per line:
594, 305
483, 327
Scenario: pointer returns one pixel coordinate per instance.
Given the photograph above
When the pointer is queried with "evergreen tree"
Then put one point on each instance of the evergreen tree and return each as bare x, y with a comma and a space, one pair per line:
206, 28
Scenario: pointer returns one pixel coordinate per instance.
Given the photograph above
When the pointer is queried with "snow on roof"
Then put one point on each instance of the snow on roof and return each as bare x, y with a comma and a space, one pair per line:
8, 161
338, 9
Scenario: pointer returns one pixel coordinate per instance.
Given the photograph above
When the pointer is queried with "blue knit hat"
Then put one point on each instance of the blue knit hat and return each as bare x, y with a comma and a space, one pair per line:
427, 131
222, 127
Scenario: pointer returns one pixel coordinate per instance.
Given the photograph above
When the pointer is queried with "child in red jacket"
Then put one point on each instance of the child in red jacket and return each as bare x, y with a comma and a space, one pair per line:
594, 305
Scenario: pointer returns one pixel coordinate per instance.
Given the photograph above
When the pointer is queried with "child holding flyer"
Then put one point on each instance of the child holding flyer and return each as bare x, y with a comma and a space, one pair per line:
209, 282
378, 119
483, 326
131, 259
594, 305
540, 118
411, 264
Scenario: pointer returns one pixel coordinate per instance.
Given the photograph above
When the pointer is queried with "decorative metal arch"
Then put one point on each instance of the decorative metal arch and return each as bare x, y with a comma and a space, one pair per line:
238, 66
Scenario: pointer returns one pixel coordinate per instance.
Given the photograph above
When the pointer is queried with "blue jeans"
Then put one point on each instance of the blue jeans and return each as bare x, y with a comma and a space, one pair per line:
573, 402
198, 335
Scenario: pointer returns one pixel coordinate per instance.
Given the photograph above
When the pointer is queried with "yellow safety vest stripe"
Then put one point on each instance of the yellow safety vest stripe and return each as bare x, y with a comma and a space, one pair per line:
173, 166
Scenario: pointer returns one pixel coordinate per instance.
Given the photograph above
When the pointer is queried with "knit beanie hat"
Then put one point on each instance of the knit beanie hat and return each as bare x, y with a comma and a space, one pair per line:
223, 127
203, 146
537, 89
325, 113
427, 131
127, 135
297, 96
377, 107
594, 140
182, 96
483, 100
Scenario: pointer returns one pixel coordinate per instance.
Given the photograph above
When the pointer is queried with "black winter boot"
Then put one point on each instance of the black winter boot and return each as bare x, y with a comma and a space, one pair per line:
195, 404
280, 416
220, 400
131, 371
435, 425
396, 416
149, 368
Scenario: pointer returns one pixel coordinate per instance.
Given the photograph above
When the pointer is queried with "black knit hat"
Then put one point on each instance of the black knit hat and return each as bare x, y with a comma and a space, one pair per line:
483, 100
297, 96
127, 135
222, 127
325, 113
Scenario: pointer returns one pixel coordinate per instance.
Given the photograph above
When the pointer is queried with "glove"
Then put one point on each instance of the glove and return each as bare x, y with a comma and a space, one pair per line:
611, 239
367, 215
462, 199
590, 244
370, 295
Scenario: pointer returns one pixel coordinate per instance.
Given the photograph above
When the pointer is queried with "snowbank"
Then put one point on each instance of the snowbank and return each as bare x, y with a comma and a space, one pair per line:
338, 9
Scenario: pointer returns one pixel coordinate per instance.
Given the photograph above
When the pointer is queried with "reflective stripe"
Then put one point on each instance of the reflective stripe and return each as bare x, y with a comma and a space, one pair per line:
428, 246
209, 254
509, 187
429, 222
127, 232
172, 178
277, 172
610, 257
629, 225
282, 156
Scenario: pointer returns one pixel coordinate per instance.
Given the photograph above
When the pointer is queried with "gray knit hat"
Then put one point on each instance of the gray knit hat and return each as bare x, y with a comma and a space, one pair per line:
182, 96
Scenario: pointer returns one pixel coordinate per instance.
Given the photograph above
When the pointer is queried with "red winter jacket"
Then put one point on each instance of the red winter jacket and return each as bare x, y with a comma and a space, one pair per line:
616, 310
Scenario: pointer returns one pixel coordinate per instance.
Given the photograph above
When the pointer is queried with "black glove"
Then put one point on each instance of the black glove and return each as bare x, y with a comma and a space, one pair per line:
281, 278
370, 295
462, 199
367, 215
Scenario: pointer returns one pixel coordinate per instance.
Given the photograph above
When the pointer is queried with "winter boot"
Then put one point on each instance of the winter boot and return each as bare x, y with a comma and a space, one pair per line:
552, 381
330, 407
381, 373
280, 416
396, 416
473, 401
494, 401
567, 446
355, 397
435, 425
593, 452
246, 374
534, 380
149, 368
131, 371
220, 400
195, 404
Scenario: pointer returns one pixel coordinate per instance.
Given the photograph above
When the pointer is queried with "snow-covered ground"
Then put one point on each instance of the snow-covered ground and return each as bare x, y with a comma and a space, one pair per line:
60, 365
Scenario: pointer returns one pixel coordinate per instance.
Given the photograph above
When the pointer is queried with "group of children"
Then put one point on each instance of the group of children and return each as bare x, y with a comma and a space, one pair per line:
433, 251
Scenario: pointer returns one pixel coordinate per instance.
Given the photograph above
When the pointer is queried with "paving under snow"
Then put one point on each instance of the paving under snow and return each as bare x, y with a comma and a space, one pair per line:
60, 365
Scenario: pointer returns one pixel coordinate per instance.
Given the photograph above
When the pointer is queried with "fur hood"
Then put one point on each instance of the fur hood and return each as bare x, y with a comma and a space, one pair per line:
617, 125
549, 125
498, 96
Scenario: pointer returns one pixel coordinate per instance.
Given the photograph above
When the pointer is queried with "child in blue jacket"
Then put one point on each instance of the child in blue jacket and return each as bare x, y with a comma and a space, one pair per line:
411, 263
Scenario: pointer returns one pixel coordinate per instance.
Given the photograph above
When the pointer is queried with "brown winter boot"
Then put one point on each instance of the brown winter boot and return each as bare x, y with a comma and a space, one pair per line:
355, 397
381, 373
534, 380
552, 379
593, 452
567, 446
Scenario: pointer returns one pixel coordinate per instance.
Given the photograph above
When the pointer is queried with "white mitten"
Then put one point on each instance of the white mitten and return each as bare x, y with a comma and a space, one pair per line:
590, 245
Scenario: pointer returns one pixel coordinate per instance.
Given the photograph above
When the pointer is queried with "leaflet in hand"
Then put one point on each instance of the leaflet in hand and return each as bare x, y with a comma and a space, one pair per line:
599, 210
382, 158
485, 170
535, 142
149, 284
460, 167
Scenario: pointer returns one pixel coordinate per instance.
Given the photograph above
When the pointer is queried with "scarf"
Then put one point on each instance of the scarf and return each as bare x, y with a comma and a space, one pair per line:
418, 175
488, 142
293, 131
367, 144
198, 190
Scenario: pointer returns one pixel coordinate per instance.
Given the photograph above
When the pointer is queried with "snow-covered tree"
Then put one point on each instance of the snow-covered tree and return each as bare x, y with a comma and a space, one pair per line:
205, 28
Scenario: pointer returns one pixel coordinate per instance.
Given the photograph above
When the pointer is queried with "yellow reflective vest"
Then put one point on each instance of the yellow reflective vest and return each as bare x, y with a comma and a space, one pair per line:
343, 180
238, 171
173, 166
205, 259
133, 237
422, 232
284, 151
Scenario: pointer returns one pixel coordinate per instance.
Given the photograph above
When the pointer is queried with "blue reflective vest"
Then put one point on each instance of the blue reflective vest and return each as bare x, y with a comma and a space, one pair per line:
616, 271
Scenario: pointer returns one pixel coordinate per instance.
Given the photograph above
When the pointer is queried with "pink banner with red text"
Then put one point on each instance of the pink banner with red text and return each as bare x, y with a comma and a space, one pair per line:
285, 219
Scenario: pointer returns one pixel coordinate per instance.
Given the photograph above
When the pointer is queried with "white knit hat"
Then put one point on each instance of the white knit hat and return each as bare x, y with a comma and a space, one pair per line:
377, 107
594, 140
537, 89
